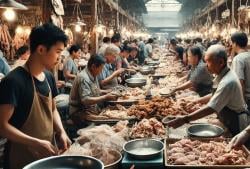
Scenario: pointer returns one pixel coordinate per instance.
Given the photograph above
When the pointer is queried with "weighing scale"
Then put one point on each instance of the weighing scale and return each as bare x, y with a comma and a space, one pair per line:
156, 163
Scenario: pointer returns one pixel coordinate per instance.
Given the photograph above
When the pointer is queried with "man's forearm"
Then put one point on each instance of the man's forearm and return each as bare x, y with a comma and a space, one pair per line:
11, 133
93, 100
57, 122
69, 75
204, 99
186, 85
108, 79
205, 111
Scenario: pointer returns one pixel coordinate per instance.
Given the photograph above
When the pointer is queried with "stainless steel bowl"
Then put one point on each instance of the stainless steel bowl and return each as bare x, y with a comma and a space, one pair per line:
69, 162
143, 149
153, 63
205, 130
158, 76
146, 70
136, 82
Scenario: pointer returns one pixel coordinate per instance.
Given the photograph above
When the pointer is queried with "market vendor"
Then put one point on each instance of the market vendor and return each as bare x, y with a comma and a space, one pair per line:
28, 115
176, 49
133, 54
108, 77
199, 77
86, 97
121, 60
22, 54
4, 66
227, 99
70, 68
241, 62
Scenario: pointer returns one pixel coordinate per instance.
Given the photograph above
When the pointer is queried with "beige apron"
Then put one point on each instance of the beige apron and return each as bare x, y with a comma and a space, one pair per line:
39, 124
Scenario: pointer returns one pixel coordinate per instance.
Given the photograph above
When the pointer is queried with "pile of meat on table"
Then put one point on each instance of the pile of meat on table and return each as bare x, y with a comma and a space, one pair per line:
157, 107
188, 152
148, 128
117, 112
102, 142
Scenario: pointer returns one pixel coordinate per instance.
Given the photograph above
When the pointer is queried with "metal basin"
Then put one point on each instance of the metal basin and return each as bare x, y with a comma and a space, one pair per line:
146, 70
158, 76
143, 149
153, 63
136, 82
66, 162
205, 130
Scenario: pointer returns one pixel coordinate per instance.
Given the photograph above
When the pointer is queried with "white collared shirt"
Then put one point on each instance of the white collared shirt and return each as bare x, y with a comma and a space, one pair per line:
228, 93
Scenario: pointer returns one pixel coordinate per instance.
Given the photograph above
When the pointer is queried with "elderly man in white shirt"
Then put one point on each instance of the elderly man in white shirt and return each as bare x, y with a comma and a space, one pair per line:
227, 99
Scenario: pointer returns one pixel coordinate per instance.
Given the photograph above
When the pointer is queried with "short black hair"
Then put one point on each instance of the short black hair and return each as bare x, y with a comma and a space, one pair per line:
48, 35
173, 42
196, 51
150, 40
134, 48
188, 41
22, 50
106, 40
126, 48
74, 48
135, 40
96, 60
240, 38
198, 40
116, 38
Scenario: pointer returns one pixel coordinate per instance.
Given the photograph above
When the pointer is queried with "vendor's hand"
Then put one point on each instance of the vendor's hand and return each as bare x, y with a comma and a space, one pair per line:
119, 71
111, 96
43, 148
63, 142
60, 84
239, 139
179, 121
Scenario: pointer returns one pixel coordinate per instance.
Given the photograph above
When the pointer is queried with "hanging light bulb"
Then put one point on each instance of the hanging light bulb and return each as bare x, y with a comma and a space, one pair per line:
9, 14
78, 28
99, 29
213, 28
233, 30
19, 30
27, 31
111, 31
128, 33
85, 33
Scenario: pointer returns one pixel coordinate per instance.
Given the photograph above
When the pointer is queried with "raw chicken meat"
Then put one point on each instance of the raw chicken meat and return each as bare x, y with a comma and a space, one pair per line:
187, 152
151, 128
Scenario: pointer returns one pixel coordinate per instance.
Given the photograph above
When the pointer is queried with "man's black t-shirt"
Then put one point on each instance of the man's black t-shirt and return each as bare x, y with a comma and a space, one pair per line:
17, 89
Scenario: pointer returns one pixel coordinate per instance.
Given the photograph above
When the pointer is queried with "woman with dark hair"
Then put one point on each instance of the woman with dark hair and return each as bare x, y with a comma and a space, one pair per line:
199, 79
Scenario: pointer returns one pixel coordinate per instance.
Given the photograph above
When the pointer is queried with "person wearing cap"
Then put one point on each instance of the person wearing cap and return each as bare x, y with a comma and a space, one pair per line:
108, 76
227, 97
